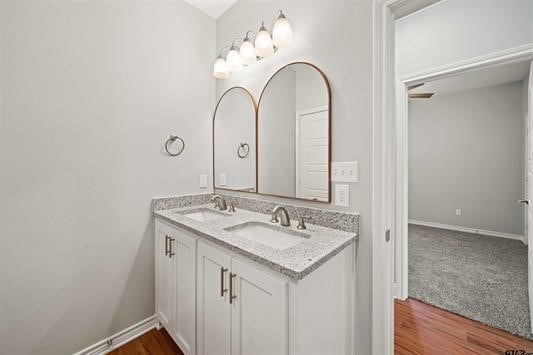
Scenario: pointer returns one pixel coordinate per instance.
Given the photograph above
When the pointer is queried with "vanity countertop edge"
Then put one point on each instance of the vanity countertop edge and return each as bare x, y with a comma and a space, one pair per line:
295, 262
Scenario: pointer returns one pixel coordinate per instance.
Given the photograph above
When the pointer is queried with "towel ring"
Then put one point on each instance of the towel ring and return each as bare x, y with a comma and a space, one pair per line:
243, 150
173, 139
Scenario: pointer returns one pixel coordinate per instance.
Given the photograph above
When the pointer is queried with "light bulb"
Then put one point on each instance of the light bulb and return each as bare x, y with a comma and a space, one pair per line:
282, 31
247, 52
220, 69
233, 60
263, 43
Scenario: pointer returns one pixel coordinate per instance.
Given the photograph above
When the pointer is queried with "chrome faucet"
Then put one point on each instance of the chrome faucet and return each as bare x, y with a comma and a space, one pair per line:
285, 220
220, 203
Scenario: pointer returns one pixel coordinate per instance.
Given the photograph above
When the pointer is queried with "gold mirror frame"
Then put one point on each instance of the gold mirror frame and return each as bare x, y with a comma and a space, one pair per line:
326, 82
257, 105
254, 103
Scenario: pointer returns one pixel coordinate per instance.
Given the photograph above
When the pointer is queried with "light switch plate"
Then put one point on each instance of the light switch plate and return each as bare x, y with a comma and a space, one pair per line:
347, 171
342, 195
203, 181
222, 179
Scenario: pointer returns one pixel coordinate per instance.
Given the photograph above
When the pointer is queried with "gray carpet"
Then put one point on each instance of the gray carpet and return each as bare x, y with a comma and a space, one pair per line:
482, 278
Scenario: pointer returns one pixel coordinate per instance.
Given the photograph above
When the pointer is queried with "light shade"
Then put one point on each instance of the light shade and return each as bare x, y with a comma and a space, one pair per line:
263, 43
247, 52
220, 69
282, 32
233, 60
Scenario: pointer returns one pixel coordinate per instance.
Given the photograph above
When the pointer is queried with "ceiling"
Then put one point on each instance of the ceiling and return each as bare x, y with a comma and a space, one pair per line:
476, 79
213, 8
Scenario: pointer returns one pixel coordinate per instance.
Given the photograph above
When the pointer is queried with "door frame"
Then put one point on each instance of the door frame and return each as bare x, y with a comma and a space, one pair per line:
389, 156
297, 135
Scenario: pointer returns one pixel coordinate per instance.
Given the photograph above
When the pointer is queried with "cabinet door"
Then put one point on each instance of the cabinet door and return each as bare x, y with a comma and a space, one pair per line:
164, 278
260, 316
184, 249
214, 312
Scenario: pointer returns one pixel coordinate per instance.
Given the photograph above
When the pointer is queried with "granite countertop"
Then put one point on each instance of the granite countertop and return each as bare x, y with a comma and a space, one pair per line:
320, 243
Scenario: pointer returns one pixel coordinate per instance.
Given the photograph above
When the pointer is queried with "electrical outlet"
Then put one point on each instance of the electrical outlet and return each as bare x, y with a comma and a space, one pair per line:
222, 179
342, 195
458, 212
203, 181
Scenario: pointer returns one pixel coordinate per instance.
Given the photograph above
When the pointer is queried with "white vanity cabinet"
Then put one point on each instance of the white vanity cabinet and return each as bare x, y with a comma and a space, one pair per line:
241, 309
176, 284
214, 301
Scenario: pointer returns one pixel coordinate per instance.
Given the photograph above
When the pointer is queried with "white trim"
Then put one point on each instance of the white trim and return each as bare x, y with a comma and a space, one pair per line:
468, 230
506, 56
106, 345
382, 171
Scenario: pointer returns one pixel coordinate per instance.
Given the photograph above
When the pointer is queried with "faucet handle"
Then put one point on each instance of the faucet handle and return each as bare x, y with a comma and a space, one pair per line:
232, 207
301, 223
274, 218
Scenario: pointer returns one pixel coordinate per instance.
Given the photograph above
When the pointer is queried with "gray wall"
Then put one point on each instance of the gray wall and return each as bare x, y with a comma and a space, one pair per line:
348, 65
466, 152
90, 92
455, 30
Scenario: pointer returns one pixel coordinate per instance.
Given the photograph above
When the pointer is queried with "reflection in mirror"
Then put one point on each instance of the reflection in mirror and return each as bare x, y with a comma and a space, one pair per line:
294, 139
234, 150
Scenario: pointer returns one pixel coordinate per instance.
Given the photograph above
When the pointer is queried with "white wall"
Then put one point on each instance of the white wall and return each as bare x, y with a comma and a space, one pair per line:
235, 124
455, 30
317, 27
466, 152
90, 92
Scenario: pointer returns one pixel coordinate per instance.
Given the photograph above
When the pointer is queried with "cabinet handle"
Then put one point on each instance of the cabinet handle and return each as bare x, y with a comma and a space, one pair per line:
231, 295
222, 289
170, 253
166, 245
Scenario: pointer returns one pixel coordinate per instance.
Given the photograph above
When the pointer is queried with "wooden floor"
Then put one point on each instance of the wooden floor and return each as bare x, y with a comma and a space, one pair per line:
419, 329
423, 329
154, 342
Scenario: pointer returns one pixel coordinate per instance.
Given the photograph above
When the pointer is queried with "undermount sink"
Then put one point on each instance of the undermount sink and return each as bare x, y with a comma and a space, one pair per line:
267, 234
204, 214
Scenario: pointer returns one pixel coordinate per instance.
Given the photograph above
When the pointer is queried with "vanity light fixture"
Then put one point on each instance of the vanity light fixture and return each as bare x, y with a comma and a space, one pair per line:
247, 51
282, 31
264, 44
220, 68
233, 59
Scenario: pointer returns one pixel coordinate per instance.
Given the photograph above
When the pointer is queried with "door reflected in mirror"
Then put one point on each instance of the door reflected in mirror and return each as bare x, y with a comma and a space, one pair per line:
294, 134
234, 150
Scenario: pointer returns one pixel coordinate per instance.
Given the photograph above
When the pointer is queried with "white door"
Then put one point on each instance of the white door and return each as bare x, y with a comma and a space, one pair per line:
312, 154
164, 278
530, 192
214, 312
184, 248
260, 317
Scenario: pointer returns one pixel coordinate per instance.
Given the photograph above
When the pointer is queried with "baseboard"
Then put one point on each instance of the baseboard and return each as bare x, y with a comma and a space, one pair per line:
106, 345
468, 230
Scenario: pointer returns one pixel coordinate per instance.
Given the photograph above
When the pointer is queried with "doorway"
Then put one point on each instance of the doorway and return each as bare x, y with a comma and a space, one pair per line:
390, 217
466, 172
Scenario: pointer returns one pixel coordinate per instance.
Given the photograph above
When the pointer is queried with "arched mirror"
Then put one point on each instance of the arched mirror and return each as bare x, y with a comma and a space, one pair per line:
294, 134
234, 150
